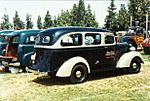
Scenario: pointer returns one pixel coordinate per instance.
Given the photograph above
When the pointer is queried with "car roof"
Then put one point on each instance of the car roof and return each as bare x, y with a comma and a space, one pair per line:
19, 32
6, 31
59, 31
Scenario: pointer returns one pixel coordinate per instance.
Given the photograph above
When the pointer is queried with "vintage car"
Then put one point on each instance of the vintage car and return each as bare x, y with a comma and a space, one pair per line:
146, 46
3, 42
19, 48
75, 52
135, 37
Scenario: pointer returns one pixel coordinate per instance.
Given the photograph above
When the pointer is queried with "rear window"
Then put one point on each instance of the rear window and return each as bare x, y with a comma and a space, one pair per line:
30, 39
46, 39
43, 39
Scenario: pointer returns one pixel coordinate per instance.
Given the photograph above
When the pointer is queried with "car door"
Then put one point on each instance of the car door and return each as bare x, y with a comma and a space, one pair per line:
110, 51
94, 52
25, 48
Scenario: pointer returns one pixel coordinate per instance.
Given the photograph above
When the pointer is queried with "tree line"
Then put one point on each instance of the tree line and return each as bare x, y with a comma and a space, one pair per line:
79, 15
120, 21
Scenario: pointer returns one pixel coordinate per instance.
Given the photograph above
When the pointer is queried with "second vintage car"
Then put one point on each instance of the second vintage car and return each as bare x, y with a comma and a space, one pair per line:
75, 52
20, 45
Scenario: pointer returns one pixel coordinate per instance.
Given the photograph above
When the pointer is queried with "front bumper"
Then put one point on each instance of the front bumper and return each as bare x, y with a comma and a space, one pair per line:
11, 64
37, 72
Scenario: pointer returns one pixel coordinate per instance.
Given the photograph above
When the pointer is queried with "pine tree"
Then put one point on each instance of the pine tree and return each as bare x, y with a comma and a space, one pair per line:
29, 23
18, 24
142, 12
137, 9
5, 23
64, 19
111, 21
48, 21
90, 20
39, 23
73, 15
55, 21
134, 7
123, 18
81, 13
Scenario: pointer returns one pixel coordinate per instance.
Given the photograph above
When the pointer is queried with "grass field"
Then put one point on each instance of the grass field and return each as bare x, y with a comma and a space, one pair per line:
106, 86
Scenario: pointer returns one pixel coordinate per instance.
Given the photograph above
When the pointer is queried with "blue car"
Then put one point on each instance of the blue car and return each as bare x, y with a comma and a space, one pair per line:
19, 48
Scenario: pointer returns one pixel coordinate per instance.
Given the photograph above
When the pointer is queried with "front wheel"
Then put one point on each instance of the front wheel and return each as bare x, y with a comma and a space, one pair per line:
78, 74
135, 66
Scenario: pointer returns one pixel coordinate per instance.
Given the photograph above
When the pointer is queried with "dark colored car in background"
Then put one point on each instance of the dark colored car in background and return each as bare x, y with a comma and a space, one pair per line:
134, 36
19, 48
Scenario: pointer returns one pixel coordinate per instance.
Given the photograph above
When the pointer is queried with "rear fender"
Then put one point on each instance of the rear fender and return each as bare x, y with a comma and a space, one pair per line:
66, 67
26, 58
126, 59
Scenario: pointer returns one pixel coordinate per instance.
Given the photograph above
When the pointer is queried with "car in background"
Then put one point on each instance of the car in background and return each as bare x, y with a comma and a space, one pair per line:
19, 48
75, 52
134, 36
146, 46
3, 42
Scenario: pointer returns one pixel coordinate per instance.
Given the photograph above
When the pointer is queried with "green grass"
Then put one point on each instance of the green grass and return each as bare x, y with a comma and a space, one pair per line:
106, 86
145, 56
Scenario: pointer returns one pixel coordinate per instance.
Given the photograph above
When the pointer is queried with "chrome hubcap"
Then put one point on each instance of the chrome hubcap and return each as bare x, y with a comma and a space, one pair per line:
134, 65
78, 74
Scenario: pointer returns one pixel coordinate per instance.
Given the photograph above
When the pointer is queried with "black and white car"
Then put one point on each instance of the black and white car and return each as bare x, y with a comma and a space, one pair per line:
75, 52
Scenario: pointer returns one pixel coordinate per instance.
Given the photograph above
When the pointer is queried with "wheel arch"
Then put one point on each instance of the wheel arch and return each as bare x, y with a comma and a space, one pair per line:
126, 59
137, 57
66, 68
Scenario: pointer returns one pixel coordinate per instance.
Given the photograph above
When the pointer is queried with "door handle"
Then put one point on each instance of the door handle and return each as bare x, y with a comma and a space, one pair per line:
106, 47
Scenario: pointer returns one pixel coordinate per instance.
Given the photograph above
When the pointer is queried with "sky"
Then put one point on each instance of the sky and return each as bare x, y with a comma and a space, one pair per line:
40, 7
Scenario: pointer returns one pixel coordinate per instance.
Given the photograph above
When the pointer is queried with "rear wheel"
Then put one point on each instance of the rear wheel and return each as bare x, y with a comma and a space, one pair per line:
78, 74
135, 66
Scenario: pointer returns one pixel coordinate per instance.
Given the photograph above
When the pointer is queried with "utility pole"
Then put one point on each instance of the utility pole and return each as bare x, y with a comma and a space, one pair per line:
130, 21
147, 23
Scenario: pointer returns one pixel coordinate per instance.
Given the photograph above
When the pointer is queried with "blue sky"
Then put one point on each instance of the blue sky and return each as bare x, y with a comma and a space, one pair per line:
40, 7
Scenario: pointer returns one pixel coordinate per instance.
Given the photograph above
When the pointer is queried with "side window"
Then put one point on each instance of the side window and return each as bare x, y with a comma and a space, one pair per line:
109, 40
72, 40
92, 39
30, 39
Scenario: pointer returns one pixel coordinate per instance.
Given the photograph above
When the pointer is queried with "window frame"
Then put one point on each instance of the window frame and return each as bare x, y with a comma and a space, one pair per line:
109, 36
73, 40
96, 33
30, 42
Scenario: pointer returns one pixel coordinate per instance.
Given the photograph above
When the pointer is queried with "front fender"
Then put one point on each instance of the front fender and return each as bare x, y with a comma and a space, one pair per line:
66, 67
126, 59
